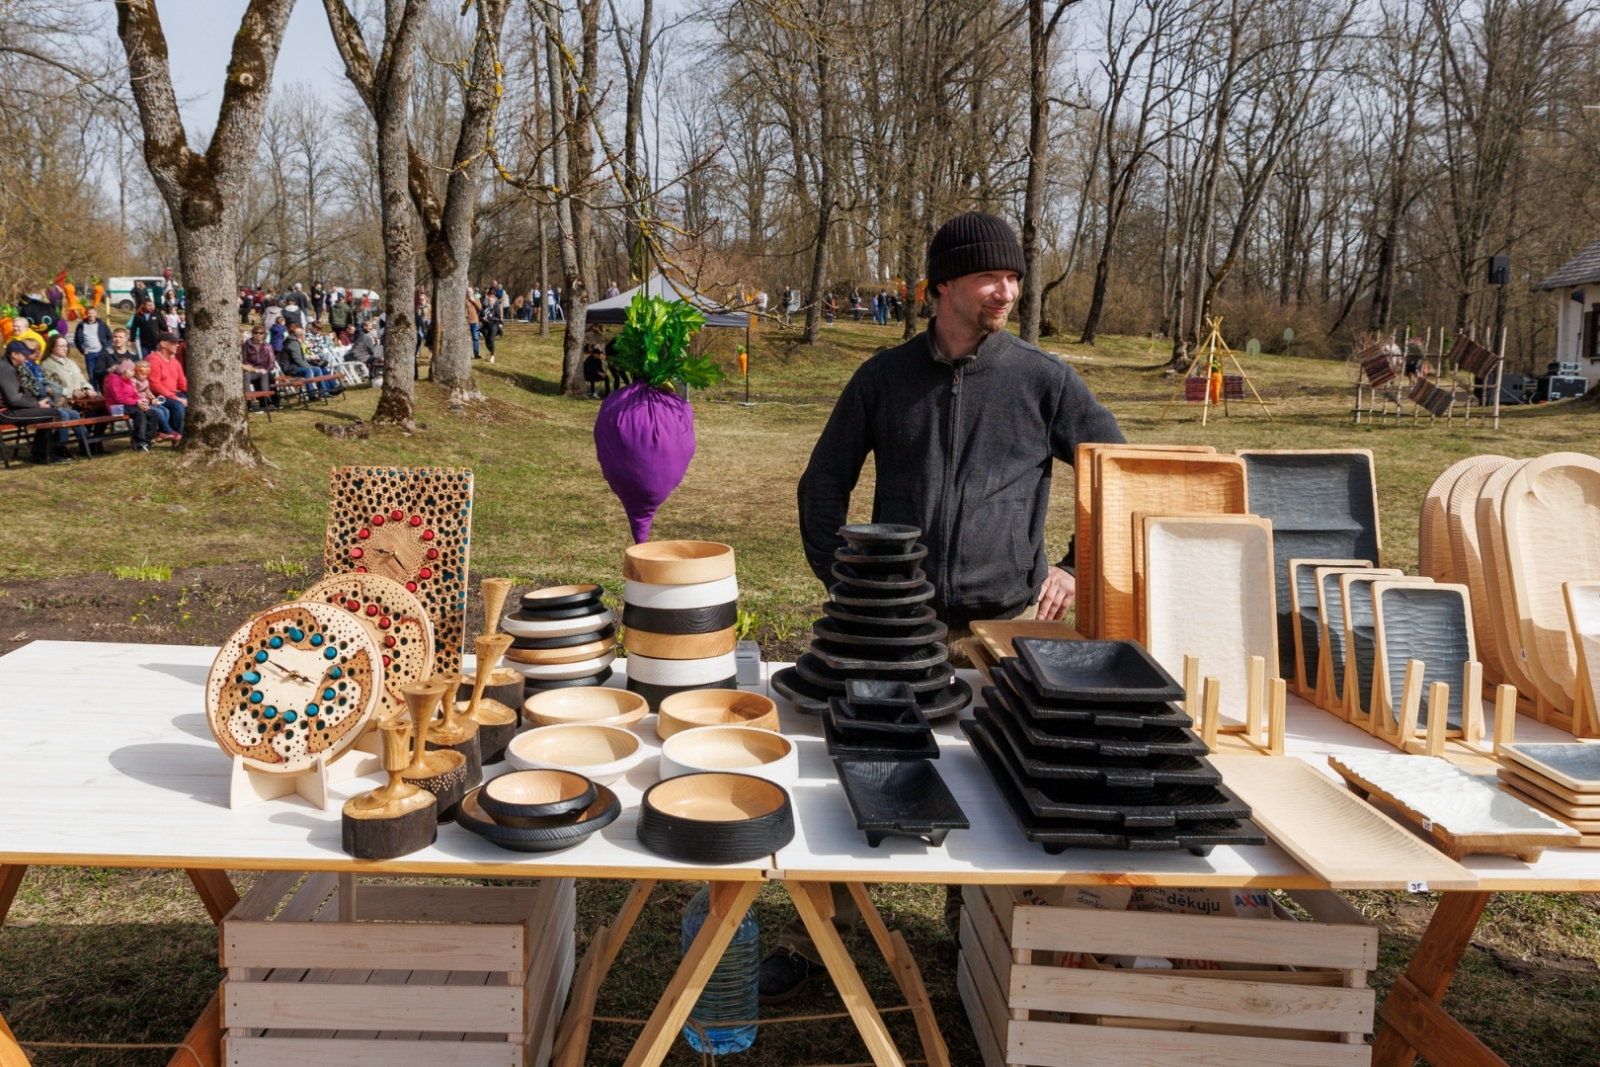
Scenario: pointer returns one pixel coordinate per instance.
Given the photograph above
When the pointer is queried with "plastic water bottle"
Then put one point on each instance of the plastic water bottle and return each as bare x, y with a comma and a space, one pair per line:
730, 995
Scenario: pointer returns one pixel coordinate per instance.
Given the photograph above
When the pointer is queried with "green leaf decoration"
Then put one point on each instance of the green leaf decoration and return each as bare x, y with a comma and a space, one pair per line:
654, 343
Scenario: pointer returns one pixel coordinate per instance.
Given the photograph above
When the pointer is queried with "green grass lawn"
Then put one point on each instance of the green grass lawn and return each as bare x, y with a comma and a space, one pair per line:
127, 955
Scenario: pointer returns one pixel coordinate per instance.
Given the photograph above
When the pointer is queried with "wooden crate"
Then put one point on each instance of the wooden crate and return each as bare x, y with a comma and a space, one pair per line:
348, 975
1025, 1009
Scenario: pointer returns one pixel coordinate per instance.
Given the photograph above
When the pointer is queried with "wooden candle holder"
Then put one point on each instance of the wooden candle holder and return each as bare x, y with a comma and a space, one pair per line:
495, 591
497, 723
458, 733
441, 771
396, 819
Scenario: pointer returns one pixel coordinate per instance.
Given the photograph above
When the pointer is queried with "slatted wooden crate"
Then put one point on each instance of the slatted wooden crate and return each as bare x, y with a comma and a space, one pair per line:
395, 975
1026, 1010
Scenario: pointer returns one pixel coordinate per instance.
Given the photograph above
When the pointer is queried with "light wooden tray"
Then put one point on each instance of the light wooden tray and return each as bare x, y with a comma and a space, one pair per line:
1084, 548
1583, 614
1334, 649
1433, 534
1497, 577
1158, 484
1431, 623
1328, 829
1223, 562
1463, 814
996, 634
1552, 530
1466, 555
1323, 504
1308, 621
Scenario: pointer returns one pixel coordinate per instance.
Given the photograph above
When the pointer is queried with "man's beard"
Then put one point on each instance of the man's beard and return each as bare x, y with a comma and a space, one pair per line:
993, 321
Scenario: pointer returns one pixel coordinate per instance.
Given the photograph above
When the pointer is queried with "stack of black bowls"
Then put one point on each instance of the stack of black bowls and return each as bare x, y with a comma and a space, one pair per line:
1084, 742
563, 637
877, 625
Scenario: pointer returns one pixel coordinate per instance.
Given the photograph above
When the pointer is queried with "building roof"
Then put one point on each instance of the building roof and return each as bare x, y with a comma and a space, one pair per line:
1581, 269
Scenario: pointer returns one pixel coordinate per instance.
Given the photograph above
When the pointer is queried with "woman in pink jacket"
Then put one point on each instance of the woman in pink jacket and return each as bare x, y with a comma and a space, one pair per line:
121, 390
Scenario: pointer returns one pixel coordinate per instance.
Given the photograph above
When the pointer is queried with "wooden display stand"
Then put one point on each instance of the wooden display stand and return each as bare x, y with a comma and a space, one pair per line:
1316, 1015
1265, 706
253, 783
334, 980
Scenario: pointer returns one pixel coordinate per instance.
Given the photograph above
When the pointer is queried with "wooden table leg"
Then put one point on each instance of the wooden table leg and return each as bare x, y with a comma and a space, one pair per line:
904, 968
1413, 1021
814, 902
729, 902
11, 1054
216, 892
572, 1036
202, 1045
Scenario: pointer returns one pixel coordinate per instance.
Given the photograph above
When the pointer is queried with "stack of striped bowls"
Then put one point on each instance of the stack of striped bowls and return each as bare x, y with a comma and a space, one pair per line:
563, 636
679, 611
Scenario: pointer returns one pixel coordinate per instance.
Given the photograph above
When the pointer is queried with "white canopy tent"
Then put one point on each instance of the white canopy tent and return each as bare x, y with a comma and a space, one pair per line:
613, 310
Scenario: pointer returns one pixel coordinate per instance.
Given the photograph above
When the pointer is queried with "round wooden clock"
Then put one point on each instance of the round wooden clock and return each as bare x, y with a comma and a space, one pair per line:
297, 681
397, 545
395, 618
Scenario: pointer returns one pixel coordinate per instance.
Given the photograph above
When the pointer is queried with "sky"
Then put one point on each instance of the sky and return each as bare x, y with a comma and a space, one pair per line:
200, 39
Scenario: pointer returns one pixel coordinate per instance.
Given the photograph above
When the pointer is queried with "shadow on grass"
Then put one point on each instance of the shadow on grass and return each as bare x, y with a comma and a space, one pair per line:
529, 383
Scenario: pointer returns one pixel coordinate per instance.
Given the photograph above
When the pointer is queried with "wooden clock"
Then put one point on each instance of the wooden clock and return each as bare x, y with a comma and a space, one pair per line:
296, 682
395, 618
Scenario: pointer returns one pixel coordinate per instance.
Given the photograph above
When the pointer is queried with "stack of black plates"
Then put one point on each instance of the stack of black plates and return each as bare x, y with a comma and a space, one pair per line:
877, 625
562, 637
882, 746
1084, 743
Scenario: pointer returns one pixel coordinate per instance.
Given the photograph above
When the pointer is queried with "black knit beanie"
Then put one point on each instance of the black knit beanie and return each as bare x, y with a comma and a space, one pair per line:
970, 244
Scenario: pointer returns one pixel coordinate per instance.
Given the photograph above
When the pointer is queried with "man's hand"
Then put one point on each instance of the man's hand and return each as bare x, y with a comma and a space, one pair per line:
1060, 589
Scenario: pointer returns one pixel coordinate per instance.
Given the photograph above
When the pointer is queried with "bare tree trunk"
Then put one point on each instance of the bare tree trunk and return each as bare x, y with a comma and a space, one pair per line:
1040, 31
566, 234
544, 268
634, 206
386, 90
201, 193
825, 184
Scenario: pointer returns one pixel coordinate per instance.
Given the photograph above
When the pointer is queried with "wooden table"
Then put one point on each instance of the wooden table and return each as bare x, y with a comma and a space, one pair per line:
110, 741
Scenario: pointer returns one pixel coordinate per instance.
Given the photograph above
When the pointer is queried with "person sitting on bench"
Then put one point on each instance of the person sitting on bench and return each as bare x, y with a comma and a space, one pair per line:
19, 407
164, 411
168, 381
122, 392
367, 350
256, 357
293, 363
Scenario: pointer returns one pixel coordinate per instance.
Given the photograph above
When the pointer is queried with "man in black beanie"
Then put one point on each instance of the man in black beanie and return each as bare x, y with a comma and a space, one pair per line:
964, 422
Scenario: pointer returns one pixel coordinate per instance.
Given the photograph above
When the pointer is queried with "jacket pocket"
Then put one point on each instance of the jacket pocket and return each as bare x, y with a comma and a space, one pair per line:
990, 561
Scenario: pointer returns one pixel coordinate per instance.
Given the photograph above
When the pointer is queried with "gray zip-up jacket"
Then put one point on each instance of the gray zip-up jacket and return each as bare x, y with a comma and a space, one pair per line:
964, 451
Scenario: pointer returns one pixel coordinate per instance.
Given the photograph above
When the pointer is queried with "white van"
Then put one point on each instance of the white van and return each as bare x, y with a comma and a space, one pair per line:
119, 291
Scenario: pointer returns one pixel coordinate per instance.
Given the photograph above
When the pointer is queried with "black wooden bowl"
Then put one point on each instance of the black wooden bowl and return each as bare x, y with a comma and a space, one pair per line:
715, 817
880, 538
706, 620
1120, 672
864, 693
576, 611
531, 686
863, 598
873, 620
556, 597
808, 699
655, 694
537, 794
561, 832
547, 644
916, 554
897, 579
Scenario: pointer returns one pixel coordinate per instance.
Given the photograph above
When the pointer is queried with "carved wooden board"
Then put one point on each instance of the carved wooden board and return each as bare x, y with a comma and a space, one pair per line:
1551, 514
1338, 836
1361, 637
1307, 619
1466, 557
412, 524
1434, 559
1432, 623
1084, 552
1225, 564
1330, 616
1127, 482
1323, 505
1497, 578
1140, 633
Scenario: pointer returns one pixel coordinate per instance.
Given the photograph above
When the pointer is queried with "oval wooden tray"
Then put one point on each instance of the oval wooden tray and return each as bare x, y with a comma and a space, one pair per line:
743, 749
1497, 577
677, 562
853, 659
820, 674
880, 579
893, 620
600, 813
917, 554
715, 707
698, 595
537, 794
601, 753
681, 646
681, 620
584, 704
1465, 556
715, 818
561, 596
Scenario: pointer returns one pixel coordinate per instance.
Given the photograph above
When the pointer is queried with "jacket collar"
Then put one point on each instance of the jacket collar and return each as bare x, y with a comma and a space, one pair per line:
988, 348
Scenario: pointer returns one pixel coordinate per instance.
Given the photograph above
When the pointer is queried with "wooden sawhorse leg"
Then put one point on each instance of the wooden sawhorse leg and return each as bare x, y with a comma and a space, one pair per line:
11, 1054
572, 1035
814, 902
904, 968
1413, 1022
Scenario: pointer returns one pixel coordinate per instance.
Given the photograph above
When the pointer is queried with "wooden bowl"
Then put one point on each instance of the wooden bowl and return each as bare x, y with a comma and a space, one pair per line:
681, 646
594, 705
715, 707
743, 749
601, 754
677, 562
518, 626
543, 835
715, 818
570, 654
555, 597
555, 672
880, 538
535, 795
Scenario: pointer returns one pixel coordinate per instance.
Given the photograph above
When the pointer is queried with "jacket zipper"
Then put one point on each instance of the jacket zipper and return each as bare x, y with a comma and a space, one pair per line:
950, 480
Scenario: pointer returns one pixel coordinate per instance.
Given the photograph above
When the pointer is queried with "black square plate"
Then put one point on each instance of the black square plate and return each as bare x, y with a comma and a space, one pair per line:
1050, 713
879, 746
1130, 808
1147, 773
903, 797
1057, 835
853, 722
1115, 672
865, 693
1115, 742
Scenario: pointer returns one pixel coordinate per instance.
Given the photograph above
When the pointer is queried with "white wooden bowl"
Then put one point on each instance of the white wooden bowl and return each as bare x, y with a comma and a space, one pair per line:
699, 595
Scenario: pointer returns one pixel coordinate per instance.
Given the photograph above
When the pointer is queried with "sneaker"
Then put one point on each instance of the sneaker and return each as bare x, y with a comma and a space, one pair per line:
377, 381
141, 447
783, 975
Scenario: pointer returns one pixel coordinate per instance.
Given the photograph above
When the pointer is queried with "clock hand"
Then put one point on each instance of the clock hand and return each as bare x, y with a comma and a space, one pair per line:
296, 675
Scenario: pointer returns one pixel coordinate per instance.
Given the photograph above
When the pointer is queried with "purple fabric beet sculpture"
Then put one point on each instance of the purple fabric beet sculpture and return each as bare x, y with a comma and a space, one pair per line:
644, 435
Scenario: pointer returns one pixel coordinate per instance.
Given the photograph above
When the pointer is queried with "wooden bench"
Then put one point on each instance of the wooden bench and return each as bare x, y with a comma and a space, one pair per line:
14, 435
291, 385
262, 396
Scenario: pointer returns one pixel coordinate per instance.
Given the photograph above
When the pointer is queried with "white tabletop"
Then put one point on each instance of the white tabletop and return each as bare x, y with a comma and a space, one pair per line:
110, 763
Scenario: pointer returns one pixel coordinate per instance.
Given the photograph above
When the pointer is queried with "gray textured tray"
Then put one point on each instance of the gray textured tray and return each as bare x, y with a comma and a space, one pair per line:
1426, 622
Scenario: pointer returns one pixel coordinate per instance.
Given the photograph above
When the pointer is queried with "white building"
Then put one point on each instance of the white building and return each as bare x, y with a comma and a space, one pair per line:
1578, 317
